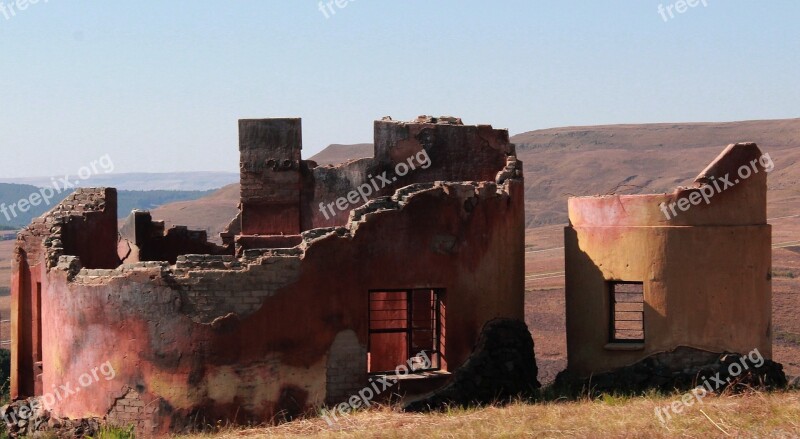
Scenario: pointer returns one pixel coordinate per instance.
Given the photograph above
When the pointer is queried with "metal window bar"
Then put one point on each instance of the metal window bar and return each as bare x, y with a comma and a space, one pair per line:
627, 312
432, 323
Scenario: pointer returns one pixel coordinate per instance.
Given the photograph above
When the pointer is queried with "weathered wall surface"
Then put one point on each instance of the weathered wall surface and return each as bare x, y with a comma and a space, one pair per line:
142, 240
84, 224
706, 271
253, 337
270, 152
453, 152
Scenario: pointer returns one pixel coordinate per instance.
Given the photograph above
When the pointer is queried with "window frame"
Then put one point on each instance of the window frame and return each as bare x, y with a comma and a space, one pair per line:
435, 354
612, 327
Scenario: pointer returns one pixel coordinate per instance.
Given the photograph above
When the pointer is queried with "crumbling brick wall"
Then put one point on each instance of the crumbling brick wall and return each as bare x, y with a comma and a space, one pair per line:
142, 239
457, 152
131, 410
215, 292
270, 184
280, 189
347, 361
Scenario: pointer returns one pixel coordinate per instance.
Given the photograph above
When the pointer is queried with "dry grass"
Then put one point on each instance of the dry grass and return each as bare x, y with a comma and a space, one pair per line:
753, 415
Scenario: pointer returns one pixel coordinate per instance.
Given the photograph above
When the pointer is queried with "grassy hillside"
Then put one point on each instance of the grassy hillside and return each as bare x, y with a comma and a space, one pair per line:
335, 154
622, 159
211, 213
149, 200
146, 181
11, 194
654, 158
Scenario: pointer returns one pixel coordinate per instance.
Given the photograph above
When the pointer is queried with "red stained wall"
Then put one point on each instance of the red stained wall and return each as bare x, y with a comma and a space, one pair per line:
85, 225
279, 331
212, 366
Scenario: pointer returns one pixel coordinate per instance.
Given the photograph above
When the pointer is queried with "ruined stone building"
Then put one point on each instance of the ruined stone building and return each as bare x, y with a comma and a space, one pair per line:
312, 291
332, 276
648, 274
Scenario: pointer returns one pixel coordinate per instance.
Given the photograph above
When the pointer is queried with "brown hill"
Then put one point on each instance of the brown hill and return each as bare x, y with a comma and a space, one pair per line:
561, 162
335, 154
647, 158
212, 213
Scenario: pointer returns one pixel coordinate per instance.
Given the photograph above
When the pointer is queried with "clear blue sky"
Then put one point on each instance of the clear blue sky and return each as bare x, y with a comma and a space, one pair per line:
159, 85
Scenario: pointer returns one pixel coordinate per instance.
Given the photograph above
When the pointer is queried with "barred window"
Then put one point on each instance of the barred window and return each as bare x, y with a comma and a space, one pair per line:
403, 323
627, 312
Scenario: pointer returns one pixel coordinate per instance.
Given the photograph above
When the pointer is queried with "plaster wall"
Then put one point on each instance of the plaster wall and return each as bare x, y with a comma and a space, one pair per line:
706, 271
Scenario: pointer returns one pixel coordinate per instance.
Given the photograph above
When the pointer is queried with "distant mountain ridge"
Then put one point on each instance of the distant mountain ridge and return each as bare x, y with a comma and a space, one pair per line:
14, 217
142, 181
647, 158
777, 133
606, 159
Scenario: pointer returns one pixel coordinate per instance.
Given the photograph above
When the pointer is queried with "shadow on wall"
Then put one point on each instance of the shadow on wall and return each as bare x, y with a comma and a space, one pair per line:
642, 280
5, 374
576, 309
